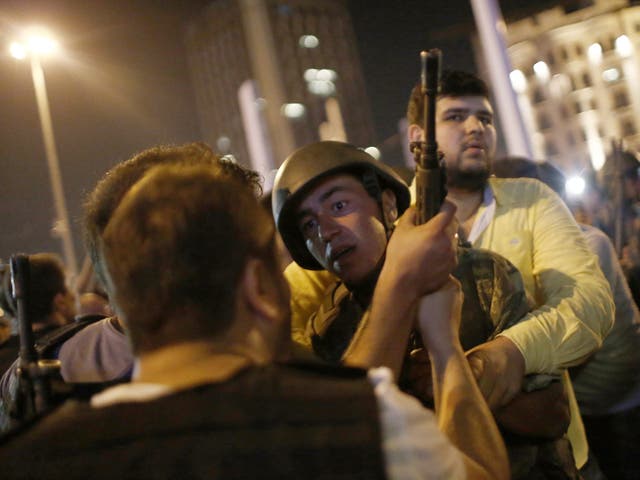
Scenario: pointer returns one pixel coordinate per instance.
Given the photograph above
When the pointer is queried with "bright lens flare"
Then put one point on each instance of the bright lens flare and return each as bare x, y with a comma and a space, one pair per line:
37, 42
41, 44
575, 186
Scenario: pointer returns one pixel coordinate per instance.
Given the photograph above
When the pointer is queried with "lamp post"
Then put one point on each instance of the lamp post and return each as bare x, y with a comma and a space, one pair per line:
36, 46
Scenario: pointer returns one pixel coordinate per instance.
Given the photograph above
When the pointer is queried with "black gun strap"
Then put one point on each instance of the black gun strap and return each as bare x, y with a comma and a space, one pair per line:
46, 345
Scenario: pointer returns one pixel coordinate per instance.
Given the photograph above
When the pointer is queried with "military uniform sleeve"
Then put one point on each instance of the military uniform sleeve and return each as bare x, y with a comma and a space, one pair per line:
575, 308
307, 291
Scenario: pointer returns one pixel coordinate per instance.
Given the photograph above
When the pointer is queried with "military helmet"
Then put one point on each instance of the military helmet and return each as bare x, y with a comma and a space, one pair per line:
305, 167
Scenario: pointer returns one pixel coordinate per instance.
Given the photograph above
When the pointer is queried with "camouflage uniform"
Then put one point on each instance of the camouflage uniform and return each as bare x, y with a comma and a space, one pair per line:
494, 299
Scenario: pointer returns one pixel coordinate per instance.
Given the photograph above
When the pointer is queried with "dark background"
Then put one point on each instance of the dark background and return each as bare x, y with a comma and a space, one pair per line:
122, 86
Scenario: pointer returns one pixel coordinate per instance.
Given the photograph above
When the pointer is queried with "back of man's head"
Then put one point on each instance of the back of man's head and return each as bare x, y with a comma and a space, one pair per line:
46, 280
106, 196
453, 83
176, 248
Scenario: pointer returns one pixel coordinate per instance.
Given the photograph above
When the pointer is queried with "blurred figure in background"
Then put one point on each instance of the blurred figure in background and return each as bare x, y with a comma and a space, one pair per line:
92, 299
51, 303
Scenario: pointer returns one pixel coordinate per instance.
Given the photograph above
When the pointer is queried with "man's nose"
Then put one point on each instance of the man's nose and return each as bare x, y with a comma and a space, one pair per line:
474, 124
328, 227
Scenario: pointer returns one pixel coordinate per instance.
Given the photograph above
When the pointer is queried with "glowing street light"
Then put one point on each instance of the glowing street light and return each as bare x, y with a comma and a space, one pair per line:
38, 44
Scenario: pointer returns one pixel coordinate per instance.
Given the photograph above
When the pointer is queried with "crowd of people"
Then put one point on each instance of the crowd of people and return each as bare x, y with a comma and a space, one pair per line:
497, 340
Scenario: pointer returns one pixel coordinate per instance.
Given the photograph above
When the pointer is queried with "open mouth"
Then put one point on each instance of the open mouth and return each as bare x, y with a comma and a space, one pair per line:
340, 254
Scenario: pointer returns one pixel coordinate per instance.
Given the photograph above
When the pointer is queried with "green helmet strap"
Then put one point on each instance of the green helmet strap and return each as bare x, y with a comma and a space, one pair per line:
371, 183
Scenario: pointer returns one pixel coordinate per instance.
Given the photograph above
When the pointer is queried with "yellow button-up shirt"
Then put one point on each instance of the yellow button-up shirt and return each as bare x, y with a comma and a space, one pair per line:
527, 223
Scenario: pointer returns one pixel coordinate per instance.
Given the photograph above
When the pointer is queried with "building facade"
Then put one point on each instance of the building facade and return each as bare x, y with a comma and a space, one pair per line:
576, 71
272, 75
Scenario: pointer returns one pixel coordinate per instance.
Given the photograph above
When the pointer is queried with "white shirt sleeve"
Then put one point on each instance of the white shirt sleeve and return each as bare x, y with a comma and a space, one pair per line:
97, 353
413, 445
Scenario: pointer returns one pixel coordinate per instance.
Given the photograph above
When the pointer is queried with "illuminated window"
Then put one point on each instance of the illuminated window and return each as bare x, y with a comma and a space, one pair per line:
624, 46
518, 81
595, 53
541, 69
308, 41
611, 75
293, 110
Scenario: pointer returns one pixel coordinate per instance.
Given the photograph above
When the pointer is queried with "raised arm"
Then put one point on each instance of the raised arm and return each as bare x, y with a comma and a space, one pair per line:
462, 412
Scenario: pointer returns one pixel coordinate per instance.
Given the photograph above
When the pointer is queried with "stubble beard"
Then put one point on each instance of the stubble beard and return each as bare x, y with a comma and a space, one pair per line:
471, 180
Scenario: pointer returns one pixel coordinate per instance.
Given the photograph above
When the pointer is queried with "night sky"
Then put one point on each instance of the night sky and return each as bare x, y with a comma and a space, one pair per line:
123, 86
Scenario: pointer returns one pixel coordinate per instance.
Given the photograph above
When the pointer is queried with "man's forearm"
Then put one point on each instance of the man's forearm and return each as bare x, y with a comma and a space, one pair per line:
463, 414
465, 418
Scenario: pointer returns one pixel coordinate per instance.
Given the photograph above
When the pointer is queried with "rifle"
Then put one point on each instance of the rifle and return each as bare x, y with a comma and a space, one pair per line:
430, 173
34, 374
430, 177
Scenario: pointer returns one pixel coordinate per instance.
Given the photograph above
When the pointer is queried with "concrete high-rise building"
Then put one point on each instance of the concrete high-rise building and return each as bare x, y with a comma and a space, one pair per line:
576, 71
272, 75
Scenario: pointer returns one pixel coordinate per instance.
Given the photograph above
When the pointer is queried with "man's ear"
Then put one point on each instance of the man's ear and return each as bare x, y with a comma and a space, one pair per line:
59, 303
389, 206
259, 291
414, 132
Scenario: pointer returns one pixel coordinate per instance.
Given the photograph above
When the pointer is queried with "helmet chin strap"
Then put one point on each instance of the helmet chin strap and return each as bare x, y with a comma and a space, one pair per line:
371, 184
363, 292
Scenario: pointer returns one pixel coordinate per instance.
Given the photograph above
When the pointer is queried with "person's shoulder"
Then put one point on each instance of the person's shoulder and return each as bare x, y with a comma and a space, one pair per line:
321, 278
517, 190
595, 235
48, 343
60, 422
319, 382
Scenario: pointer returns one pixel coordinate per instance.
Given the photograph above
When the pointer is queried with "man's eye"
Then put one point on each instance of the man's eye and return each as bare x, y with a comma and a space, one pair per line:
308, 226
456, 117
486, 120
339, 205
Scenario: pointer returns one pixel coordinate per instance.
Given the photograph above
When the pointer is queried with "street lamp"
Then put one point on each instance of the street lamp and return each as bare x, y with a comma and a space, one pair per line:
37, 45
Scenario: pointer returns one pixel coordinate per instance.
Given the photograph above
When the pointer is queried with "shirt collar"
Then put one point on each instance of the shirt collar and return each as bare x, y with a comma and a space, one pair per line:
485, 214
